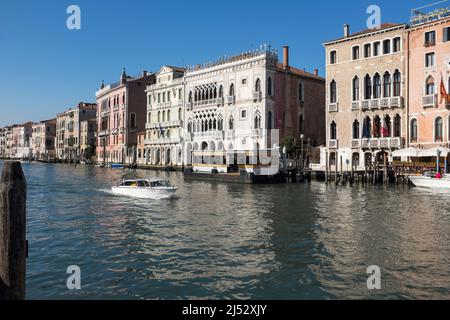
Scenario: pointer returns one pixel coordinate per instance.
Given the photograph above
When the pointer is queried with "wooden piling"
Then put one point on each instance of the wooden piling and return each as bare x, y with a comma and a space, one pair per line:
13, 246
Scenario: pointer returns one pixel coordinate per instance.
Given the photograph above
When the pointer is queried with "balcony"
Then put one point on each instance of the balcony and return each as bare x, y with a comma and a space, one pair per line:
151, 126
333, 144
114, 131
189, 105
230, 135
365, 105
231, 99
383, 143
104, 112
257, 95
397, 102
383, 103
333, 107
103, 133
209, 102
218, 135
257, 133
180, 103
356, 144
356, 105
159, 141
430, 100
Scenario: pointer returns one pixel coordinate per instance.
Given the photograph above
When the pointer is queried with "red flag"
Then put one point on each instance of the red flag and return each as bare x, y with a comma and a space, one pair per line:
444, 94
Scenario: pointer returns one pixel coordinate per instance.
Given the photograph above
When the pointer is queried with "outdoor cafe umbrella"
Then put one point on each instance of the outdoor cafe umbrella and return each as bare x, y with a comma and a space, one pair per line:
438, 153
408, 152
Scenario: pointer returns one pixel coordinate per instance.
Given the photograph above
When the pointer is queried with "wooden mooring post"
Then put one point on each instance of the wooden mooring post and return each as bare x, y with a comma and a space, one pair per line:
13, 245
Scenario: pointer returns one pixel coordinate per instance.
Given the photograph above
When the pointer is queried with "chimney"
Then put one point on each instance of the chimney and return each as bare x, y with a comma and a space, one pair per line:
316, 72
346, 30
286, 57
144, 73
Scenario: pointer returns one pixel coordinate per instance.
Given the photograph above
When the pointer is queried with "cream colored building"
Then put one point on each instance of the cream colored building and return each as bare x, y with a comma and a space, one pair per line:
165, 116
68, 130
366, 116
88, 135
43, 140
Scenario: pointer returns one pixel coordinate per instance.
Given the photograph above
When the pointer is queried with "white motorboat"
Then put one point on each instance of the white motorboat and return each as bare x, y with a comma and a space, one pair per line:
145, 189
430, 181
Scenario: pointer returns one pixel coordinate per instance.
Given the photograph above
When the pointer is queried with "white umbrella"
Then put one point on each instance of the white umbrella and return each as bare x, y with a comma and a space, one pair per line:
408, 152
434, 152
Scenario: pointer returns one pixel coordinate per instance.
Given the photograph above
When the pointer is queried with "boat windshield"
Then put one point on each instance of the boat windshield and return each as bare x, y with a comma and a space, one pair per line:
161, 183
136, 183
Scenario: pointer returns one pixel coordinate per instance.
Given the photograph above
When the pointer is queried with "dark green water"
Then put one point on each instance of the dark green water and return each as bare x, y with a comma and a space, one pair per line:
294, 241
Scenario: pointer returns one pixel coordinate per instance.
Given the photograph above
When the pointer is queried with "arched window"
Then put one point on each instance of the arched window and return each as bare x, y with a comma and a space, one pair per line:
231, 124
180, 114
149, 117
300, 92
377, 127
386, 85
367, 127
269, 121
133, 121
414, 131
269, 86
438, 130
386, 130
164, 116
397, 126
258, 85
429, 86
257, 122
397, 83
367, 88
221, 91
333, 92
333, 131
355, 94
376, 86
168, 115
355, 130
301, 127
231, 90
159, 116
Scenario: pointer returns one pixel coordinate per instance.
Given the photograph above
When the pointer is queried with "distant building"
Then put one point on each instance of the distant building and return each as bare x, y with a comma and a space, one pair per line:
9, 142
88, 136
121, 115
68, 133
233, 105
429, 82
43, 140
165, 115
2, 142
21, 141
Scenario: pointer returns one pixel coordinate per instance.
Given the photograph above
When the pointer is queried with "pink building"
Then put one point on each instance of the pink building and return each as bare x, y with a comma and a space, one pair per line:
429, 80
121, 114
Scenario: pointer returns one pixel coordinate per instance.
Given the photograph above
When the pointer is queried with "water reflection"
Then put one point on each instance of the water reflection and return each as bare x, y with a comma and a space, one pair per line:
233, 241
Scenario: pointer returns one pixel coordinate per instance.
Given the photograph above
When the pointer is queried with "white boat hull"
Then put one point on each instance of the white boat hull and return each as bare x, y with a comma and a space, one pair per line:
145, 193
427, 182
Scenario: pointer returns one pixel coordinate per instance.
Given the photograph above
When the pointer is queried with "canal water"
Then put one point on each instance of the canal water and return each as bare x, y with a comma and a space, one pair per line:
226, 241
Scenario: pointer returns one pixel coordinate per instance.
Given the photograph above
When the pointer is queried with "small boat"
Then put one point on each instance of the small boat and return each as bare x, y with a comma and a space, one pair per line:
430, 181
117, 166
145, 189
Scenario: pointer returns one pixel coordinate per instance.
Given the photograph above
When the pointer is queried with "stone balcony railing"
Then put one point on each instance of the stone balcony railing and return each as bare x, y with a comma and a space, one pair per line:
257, 95
430, 100
231, 99
381, 103
218, 135
114, 131
159, 141
333, 144
384, 143
150, 126
333, 107
230, 135
103, 133
209, 102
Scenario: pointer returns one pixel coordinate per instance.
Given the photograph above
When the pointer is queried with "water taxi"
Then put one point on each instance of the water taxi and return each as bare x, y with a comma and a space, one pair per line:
145, 189
430, 181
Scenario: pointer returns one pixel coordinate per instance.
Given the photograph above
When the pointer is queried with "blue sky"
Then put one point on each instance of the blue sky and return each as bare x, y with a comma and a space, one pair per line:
46, 68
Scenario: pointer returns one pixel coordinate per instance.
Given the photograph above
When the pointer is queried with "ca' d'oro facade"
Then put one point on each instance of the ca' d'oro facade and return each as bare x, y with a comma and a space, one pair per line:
234, 105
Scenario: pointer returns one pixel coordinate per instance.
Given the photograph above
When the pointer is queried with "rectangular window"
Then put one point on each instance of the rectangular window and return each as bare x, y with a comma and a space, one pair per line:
243, 114
376, 49
429, 60
386, 46
355, 53
367, 50
446, 34
333, 57
396, 44
430, 38
244, 81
